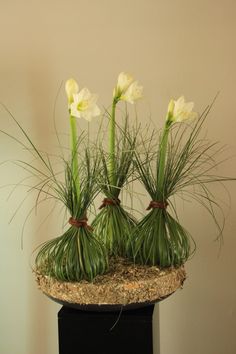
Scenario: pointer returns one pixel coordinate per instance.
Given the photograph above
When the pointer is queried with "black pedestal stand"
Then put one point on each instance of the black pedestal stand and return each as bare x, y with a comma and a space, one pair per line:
85, 332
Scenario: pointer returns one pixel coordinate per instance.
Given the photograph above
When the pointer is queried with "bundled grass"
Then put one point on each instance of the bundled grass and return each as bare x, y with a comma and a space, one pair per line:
183, 165
159, 239
113, 225
76, 254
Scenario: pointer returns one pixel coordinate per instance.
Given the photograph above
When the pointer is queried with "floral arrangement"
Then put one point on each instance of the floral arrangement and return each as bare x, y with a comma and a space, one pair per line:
168, 163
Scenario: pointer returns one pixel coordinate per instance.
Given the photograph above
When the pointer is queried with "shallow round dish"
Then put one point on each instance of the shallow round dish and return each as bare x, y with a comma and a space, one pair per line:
106, 308
125, 286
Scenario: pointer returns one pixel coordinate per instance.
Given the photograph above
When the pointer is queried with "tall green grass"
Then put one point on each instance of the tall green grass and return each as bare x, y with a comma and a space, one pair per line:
113, 225
188, 170
76, 254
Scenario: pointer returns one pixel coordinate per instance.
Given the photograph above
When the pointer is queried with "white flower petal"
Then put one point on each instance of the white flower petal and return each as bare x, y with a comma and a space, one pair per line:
84, 94
133, 93
124, 80
189, 106
95, 111
74, 111
84, 105
181, 110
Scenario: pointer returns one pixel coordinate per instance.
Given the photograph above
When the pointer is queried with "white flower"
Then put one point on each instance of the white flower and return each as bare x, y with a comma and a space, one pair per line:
124, 80
127, 89
71, 88
179, 111
84, 105
133, 93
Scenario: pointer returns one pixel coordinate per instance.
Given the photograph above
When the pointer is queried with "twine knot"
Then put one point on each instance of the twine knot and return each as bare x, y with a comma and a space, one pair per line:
79, 223
157, 205
109, 201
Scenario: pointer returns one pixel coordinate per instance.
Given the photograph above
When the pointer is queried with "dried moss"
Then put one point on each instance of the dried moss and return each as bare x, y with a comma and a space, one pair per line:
125, 283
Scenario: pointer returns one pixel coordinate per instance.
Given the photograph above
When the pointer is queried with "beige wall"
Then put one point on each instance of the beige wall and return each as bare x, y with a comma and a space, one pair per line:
173, 47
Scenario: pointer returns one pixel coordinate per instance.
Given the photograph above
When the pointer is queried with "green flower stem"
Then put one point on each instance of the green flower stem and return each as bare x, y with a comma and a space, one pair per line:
162, 159
112, 139
74, 154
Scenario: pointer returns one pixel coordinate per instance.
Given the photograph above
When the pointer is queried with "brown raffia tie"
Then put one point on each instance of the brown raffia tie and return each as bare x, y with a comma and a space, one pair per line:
108, 201
79, 223
157, 205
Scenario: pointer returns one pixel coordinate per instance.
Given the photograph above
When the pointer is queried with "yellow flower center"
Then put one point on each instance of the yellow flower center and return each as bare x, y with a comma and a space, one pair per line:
83, 105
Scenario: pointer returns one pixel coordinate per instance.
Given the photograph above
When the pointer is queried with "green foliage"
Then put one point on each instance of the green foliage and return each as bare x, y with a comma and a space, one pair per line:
74, 256
113, 227
180, 162
77, 254
159, 239
113, 224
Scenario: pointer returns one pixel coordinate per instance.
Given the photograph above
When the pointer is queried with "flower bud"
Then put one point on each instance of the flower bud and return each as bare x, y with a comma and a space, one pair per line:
171, 106
170, 110
71, 88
